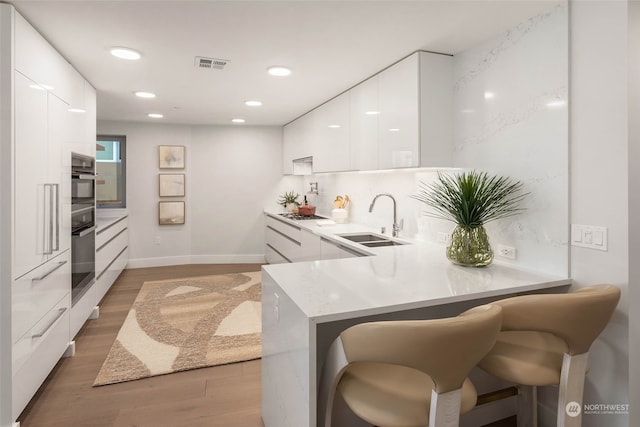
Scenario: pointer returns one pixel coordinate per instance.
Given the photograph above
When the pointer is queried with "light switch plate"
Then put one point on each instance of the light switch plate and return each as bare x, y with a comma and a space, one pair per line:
589, 236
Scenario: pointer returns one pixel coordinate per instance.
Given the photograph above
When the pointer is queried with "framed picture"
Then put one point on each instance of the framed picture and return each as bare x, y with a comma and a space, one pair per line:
171, 213
171, 156
171, 185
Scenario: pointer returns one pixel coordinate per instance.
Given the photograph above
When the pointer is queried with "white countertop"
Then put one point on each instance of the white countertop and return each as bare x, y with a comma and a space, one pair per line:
393, 278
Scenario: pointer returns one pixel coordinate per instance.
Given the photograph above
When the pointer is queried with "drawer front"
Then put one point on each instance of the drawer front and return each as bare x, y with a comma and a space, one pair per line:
35, 294
106, 234
287, 247
104, 281
330, 250
38, 351
288, 230
272, 256
105, 254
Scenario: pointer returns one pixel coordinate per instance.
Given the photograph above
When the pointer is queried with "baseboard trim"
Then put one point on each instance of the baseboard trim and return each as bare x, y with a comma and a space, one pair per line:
196, 259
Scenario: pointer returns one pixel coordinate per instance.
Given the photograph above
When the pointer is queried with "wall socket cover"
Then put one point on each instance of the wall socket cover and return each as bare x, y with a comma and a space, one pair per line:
507, 251
589, 236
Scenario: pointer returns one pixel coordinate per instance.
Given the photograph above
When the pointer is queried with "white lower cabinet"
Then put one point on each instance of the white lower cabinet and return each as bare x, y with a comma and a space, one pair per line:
112, 255
289, 243
332, 250
41, 303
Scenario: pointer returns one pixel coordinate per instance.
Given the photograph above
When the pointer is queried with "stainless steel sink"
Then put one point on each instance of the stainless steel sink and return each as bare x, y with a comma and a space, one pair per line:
371, 240
358, 238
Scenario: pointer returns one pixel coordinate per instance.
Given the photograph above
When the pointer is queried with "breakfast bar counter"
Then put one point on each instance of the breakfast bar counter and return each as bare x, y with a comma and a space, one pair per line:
305, 306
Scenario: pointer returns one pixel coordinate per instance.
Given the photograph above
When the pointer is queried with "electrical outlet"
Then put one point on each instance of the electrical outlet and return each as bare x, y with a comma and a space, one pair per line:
507, 251
157, 240
276, 306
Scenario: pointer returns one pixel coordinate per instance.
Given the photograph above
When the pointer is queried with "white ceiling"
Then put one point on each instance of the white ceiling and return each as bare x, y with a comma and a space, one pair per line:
330, 46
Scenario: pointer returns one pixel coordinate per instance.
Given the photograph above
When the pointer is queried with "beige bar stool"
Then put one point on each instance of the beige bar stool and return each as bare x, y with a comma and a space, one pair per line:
545, 340
408, 373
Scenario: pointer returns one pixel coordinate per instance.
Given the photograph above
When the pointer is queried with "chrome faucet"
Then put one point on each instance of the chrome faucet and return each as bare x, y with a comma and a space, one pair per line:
396, 226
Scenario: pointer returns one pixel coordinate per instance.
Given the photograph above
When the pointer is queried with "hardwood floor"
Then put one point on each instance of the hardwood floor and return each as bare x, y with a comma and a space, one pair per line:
219, 396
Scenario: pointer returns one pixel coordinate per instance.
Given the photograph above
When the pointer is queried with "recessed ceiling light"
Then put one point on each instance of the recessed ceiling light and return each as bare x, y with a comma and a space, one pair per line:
155, 115
141, 94
125, 53
489, 95
334, 126
394, 130
279, 71
253, 103
237, 120
76, 110
372, 113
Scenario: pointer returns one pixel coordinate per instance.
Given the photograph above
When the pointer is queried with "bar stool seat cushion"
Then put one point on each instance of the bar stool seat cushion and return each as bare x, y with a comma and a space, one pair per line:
392, 395
526, 357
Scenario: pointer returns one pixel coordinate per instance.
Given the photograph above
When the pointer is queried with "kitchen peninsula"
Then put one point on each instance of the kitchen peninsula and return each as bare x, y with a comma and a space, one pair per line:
305, 306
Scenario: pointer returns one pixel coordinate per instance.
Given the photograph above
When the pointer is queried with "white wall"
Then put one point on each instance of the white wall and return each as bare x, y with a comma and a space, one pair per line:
599, 143
232, 173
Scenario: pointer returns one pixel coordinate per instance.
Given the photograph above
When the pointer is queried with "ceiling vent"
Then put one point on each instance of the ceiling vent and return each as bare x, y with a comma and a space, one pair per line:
210, 63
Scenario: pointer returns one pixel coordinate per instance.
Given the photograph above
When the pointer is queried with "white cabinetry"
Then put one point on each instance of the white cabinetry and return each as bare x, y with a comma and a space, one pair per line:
286, 242
112, 255
331, 150
37, 93
399, 124
289, 243
297, 141
41, 301
333, 250
415, 101
401, 117
364, 125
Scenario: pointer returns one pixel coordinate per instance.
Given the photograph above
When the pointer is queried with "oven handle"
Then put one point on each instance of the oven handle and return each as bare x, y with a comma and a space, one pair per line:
83, 232
83, 176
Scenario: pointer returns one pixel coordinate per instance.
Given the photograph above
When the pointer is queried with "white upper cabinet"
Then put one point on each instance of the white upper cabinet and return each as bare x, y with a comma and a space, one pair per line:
436, 110
364, 125
399, 119
32, 198
297, 142
331, 150
36, 59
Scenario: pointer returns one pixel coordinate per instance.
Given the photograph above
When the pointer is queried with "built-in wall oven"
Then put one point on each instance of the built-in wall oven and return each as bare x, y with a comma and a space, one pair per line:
83, 224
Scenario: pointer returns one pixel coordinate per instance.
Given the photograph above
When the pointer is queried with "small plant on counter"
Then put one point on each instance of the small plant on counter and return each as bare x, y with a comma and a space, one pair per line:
288, 199
471, 199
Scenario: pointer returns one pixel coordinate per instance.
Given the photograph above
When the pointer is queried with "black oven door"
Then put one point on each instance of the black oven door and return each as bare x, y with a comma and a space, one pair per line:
83, 268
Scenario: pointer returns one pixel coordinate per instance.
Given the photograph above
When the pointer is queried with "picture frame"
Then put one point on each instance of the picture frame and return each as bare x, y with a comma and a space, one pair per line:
171, 184
171, 156
171, 213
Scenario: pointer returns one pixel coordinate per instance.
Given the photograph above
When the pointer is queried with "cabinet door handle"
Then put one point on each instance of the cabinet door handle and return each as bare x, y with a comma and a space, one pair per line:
55, 319
57, 213
46, 220
44, 276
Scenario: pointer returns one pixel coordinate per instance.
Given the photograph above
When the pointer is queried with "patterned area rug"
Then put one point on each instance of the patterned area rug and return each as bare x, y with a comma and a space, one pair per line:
181, 324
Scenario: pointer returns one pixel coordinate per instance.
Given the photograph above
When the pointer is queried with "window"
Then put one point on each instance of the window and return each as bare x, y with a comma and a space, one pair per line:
111, 172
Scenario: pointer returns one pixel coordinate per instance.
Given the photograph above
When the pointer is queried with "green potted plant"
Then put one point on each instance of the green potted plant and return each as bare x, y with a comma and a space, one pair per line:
289, 201
471, 199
